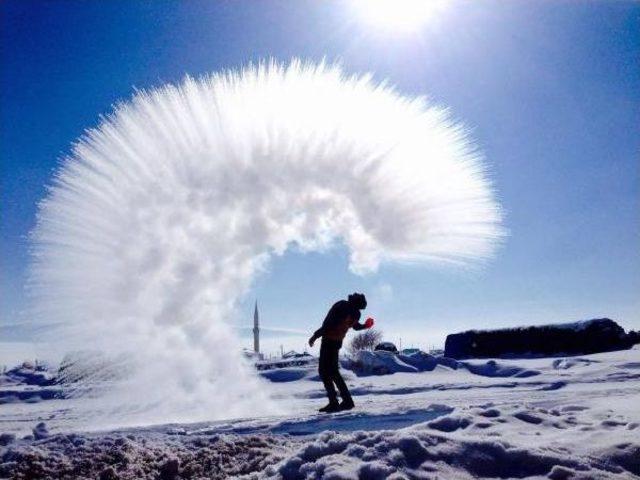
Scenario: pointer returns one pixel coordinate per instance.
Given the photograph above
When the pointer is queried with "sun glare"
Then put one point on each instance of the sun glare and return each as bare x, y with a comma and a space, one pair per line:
398, 15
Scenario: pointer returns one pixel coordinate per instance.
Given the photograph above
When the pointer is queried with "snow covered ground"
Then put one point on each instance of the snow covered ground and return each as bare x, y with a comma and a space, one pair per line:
574, 417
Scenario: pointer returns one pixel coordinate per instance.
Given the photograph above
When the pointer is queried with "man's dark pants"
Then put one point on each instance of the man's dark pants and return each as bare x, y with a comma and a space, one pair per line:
329, 370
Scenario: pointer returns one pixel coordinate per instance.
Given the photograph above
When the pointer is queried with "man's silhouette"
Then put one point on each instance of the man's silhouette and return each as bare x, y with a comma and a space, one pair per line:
344, 315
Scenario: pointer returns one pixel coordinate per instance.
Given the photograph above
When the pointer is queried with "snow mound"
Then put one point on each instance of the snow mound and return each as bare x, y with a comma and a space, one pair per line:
566, 363
28, 383
140, 456
495, 369
290, 374
27, 374
415, 453
421, 360
366, 363
377, 363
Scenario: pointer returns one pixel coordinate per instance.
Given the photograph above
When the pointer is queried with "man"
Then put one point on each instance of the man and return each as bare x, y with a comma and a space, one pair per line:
343, 315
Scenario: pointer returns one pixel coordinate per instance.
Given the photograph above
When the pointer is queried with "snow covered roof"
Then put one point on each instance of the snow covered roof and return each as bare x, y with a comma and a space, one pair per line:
577, 326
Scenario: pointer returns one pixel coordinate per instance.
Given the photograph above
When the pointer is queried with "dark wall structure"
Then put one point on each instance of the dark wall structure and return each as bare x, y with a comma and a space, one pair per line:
580, 338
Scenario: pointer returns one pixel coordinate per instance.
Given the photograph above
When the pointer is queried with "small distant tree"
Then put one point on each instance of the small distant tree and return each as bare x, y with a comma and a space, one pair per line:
366, 340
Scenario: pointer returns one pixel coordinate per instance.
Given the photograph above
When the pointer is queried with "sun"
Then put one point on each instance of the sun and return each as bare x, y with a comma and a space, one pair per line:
398, 15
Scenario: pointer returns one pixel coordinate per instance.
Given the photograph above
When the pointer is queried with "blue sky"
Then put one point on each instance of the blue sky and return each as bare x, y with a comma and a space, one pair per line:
551, 91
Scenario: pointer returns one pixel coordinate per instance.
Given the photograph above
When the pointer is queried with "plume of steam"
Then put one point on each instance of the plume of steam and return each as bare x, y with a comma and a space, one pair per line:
162, 215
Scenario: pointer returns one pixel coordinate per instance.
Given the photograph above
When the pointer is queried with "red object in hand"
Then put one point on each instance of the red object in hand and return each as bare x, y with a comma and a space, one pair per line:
368, 322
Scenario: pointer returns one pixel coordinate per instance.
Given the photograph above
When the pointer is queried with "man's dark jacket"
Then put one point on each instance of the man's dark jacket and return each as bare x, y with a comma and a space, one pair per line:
341, 317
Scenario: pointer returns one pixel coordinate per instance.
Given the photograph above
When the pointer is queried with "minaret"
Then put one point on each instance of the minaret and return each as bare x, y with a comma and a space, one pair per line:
256, 329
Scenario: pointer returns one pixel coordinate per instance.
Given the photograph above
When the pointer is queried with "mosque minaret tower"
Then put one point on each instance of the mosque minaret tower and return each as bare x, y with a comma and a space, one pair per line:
256, 329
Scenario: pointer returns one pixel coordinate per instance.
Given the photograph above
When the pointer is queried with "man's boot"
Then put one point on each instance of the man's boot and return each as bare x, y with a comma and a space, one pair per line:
346, 404
330, 407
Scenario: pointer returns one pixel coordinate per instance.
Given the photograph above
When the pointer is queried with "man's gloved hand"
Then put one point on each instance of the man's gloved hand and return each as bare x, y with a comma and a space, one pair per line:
369, 322
312, 340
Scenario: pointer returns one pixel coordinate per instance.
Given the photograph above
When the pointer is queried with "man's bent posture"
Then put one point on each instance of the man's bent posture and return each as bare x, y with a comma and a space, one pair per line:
344, 315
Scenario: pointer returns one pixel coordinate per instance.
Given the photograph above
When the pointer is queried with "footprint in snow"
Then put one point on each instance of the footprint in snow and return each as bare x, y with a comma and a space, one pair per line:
612, 423
573, 408
528, 417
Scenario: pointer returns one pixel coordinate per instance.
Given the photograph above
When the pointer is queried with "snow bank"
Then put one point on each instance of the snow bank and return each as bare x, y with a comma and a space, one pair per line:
422, 452
136, 456
290, 374
366, 363
28, 383
377, 363
429, 450
27, 374
495, 369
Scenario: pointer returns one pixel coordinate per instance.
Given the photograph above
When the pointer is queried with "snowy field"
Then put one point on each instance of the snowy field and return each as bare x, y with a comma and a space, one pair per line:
564, 418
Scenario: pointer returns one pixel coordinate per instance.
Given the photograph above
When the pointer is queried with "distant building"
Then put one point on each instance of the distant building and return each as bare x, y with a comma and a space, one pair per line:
579, 338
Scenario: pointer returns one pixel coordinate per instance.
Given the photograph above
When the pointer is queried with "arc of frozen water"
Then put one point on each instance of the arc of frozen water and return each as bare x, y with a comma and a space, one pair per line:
163, 214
